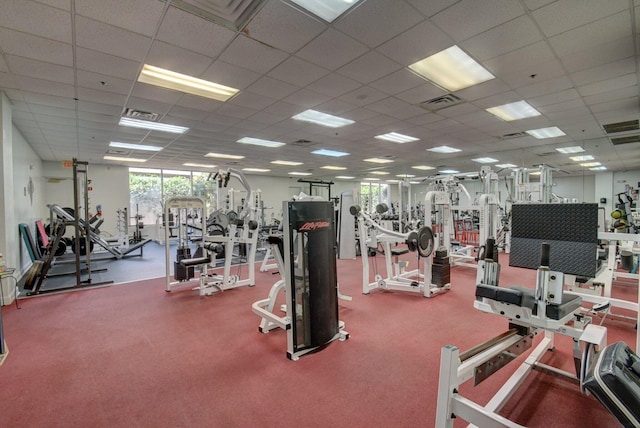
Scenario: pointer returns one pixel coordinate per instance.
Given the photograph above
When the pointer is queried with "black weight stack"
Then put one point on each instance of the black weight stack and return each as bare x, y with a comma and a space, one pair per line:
182, 273
441, 269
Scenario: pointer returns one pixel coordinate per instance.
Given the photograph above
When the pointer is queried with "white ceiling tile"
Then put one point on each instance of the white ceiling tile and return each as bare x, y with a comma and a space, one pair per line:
140, 16
626, 81
545, 87
36, 18
483, 90
41, 70
460, 110
97, 117
109, 65
363, 96
298, 72
156, 93
112, 84
306, 98
282, 108
522, 59
431, 7
395, 108
504, 38
334, 85
322, 50
561, 96
267, 118
617, 110
255, 101
99, 96
563, 15
498, 99
29, 46
536, 4
375, 21
279, 25
601, 54
486, 14
46, 87
239, 112
613, 69
100, 108
55, 108
369, 67
177, 59
198, 103
538, 73
421, 94
335, 107
230, 75
102, 37
272, 88
360, 114
607, 97
252, 55
185, 30
410, 46
397, 82
586, 37
8, 81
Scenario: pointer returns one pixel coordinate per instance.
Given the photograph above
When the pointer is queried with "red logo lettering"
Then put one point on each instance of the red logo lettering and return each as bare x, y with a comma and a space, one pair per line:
313, 225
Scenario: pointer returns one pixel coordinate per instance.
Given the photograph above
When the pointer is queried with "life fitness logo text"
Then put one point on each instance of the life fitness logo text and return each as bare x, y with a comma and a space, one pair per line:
313, 225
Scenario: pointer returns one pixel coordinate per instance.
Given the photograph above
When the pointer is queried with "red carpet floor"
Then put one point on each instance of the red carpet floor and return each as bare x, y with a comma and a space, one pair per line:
133, 355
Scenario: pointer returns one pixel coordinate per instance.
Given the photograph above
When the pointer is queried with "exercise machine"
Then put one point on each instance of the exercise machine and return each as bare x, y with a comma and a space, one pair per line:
435, 276
306, 256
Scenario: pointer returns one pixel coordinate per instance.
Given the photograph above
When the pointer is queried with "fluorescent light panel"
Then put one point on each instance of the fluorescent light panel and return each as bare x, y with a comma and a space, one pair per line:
121, 159
582, 158
256, 169
323, 119
378, 160
405, 175
199, 165
379, 172
394, 137
334, 168
506, 165
423, 167
598, 168
223, 156
370, 179
325, 152
153, 126
134, 146
514, 111
449, 171
588, 164
444, 149
572, 149
452, 69
542, 133
485, 160
345, 177
328, 10
181, 82
288, 163
299, 173
260, 142
393, 181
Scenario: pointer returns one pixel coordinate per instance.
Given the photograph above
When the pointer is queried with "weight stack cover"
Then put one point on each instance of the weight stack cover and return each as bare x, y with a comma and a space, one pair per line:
441, 269
182, 273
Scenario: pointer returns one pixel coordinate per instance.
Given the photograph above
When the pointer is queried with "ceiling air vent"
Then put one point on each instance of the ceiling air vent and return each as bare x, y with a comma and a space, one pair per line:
441, 102
119, 152
233, 14
612, 128
139, 114
625, 140
547, 154
303, 142
513, 135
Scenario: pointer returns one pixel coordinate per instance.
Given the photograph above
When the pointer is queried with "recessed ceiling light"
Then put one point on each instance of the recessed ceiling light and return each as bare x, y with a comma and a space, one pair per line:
379, 172
223, 156
541, 133
423, 167
535, 173
260, 142
588, 164
506, 165
325, 152
378, 160
288, 163
299, 173
452, 69
256, 169
582, 158
405, 175
370, 179
134, 146
514, 111
153, 126
345, 177
394, 137
121, 159
598, 168
334, 168
328, 10
415, 182
449, 171
323, 119
181, 82
485, 160
199, 165
444, 149
393, 181
573, 149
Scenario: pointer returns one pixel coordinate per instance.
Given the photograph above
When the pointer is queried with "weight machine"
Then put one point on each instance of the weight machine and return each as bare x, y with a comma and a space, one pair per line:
397, 278
306, 256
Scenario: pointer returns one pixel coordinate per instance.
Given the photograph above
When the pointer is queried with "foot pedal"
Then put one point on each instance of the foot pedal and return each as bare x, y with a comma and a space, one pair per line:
415, 284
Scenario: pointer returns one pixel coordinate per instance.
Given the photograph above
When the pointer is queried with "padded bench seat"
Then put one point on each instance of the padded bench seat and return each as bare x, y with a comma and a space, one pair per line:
525, 297
399, 251
195, 261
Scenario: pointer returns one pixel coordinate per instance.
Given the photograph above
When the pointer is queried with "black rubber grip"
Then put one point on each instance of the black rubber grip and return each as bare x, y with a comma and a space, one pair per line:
544, 254
488, 252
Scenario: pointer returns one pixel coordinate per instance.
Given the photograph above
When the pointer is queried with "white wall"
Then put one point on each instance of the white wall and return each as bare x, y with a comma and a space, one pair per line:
582, 188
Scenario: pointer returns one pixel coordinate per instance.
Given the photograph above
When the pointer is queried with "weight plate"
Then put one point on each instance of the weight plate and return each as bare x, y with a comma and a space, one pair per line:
412, 241
425, 241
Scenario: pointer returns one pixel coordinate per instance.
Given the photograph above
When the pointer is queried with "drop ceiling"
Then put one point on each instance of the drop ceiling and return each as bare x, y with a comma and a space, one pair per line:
70, 69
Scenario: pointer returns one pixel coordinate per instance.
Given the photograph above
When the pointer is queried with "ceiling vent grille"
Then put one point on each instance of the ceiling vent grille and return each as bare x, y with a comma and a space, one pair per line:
441, 102
303, 142
513, 135
630, 125
625, 140
139, 114
547, 154
119, 152
233, 14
